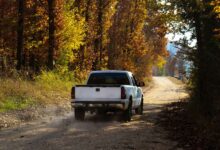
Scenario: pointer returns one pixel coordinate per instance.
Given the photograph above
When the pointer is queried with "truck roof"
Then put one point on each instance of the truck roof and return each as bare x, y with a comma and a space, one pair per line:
111, 71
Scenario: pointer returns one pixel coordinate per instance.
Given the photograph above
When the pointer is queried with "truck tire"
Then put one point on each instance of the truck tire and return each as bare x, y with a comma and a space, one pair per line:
128, 112
79, 114
140, 109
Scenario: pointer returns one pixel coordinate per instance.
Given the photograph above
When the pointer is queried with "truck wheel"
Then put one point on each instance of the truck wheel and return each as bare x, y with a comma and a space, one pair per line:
79, 113
139, 110
128, 112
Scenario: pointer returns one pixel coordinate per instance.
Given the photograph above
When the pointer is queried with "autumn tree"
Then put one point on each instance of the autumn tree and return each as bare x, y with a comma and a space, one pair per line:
137, 38
93, 54
127, 44
70, 35
85, 35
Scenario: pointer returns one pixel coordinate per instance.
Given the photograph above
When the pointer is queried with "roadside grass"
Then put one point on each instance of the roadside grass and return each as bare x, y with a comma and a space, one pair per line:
47, 88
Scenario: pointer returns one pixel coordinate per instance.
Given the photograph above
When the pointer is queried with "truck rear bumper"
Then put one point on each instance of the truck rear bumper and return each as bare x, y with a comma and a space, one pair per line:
111, 105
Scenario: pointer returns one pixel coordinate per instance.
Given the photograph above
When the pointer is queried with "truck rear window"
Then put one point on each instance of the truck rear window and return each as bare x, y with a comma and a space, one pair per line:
108, 78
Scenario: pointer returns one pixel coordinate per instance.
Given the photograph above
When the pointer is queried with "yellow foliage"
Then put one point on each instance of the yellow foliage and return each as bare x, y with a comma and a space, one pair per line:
216, 4
160, 62
71, 34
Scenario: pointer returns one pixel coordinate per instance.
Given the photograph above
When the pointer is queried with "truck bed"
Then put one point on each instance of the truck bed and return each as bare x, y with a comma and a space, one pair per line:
99, 85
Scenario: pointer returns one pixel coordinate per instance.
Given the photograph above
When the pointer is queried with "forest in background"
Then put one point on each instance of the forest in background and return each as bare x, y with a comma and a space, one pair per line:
63, 40
46, 46
82, 35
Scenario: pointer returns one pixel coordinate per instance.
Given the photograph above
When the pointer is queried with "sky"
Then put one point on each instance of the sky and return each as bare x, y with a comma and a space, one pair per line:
175, 37
171, 47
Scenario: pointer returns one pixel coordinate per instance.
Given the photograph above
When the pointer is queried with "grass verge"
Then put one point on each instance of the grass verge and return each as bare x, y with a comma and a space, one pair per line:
47, 88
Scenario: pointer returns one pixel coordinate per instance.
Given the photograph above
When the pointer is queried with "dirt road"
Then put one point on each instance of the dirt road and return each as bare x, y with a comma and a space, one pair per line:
97, 132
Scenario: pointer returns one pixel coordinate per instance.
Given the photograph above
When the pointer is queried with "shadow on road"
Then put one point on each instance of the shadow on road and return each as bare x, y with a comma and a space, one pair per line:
96, 132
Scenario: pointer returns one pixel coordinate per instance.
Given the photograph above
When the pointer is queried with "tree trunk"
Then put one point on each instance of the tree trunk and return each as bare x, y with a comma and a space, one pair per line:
98, 41
200, 81
100, 20
207, 83
20, 33
209, 61
83, 47
51, 22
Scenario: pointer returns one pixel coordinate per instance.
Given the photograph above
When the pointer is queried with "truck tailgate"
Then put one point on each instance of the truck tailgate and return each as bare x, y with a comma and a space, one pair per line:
97, 93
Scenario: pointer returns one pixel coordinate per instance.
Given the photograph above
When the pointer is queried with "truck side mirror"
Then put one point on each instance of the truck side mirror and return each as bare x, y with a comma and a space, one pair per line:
141, 84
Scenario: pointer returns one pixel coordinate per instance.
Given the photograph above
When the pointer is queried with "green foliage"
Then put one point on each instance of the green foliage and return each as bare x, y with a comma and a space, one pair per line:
15, 103
15, 94
57, 80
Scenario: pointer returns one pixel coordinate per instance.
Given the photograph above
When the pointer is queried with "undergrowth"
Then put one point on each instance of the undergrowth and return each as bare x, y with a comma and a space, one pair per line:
191, 130
52, 87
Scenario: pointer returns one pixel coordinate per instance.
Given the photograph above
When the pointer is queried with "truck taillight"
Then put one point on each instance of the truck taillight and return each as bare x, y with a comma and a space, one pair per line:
73, 93
123, 93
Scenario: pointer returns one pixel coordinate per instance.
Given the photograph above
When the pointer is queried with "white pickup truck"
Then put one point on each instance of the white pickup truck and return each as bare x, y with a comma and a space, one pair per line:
108, 91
